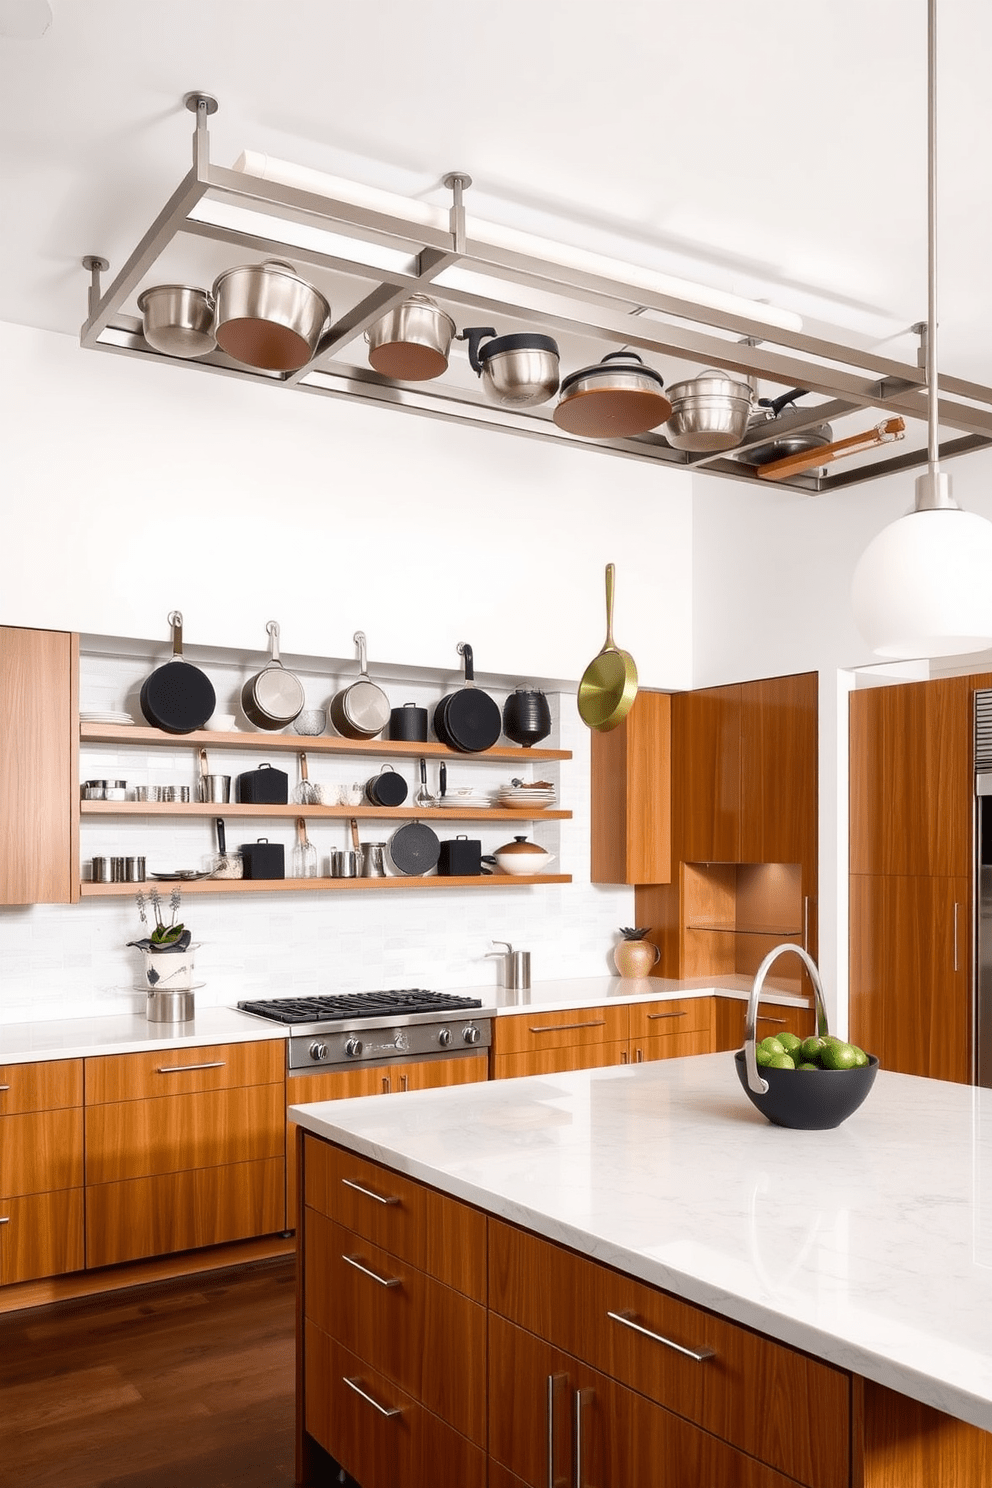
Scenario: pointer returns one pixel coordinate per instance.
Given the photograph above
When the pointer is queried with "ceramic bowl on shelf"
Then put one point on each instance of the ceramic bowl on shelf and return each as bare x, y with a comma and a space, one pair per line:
521, 857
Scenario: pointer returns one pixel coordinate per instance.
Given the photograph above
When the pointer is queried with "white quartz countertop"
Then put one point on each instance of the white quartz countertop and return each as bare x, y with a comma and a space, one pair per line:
869, 1246
127, 1033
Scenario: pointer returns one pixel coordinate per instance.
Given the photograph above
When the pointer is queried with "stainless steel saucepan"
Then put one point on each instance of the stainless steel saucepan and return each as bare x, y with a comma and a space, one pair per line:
267, 316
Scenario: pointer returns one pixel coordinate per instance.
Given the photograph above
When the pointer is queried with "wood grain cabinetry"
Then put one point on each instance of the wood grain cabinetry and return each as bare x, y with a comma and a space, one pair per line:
184, 1148
706, 729
631, 795
39, 792
41, 1170
773, 1017
392, 1079
394, 1325
588, 1038
911, 823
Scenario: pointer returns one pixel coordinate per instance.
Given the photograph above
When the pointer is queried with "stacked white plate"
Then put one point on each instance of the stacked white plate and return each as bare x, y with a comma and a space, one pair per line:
522, 797
465, 801
95, 715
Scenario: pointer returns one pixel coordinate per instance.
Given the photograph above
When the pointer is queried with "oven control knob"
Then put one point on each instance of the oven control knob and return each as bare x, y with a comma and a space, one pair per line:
444, 1037
471, 1034
318, 1050
353, 1048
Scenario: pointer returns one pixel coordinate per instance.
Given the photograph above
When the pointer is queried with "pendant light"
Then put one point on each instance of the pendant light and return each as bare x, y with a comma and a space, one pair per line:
923, 586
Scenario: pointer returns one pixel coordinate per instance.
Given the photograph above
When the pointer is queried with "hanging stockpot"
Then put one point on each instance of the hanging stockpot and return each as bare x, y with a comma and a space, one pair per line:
518, 371
615, 399
178, 320
273, 697
411, 342
267, 316
781, 445
709, 412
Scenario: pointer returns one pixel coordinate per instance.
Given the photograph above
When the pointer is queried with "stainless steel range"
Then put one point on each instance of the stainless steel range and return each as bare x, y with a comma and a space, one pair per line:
378, 1027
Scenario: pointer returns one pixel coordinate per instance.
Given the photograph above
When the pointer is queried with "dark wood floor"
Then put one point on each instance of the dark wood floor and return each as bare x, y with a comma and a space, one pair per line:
178, 1385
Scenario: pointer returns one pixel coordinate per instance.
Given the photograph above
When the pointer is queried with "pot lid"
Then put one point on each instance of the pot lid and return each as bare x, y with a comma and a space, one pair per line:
616, 368
712, 384
520, 846
520, 341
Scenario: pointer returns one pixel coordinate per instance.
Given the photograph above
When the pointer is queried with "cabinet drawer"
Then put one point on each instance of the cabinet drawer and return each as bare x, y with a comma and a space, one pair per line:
381, 1436
671, 1046
136, 1139
525, 1033
41, 1235
39, 1151
182, 1211
422, 1336
40, 1087
441, 1236
769, 1400
558, 1061
122, 1077
650, 1020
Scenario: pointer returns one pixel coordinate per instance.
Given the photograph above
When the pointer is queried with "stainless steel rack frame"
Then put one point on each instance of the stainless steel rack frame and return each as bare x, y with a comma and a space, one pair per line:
552, 296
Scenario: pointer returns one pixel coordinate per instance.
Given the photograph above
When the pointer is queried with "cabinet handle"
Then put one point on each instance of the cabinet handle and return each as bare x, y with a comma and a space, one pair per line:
368, 1192
404, 1082
183, 1069
653, 1016
561, 1027
627, 1319
805, 922
581, 1396
386, 1086
624, 1057
382, 1409
554, 1380
384, 1281
4, 1087
764, 1019
956, 908
5, 1219
639, 1057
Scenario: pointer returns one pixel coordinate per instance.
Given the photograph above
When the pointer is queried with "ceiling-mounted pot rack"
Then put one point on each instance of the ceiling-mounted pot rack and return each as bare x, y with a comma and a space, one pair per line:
401, 256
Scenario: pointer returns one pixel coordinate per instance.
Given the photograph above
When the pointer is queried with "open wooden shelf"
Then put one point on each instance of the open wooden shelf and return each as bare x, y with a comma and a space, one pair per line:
318, 885
784, 931
116, 733
313, 813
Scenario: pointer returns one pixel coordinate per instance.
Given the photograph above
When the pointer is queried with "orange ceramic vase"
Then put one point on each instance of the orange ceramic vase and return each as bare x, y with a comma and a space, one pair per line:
635, 958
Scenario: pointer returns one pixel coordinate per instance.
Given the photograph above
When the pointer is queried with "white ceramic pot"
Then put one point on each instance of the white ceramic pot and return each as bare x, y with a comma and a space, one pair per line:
521, 857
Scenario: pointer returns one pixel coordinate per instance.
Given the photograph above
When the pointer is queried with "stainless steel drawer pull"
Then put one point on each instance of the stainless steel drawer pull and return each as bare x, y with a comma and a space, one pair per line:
382, 1409
4, 1087
561, 1027
368, 1192
627, 1319
680, 1014
763, 1018
386, 1086
639, 1057
385, 1281
5, 1219
184, 1069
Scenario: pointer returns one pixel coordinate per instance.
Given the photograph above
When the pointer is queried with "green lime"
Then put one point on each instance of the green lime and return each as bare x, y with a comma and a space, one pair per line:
790, 1042
860, 1057
772, 1045
831, 1038
812, 1048
781, 1061
839, 1056
806, 1065
763, 1056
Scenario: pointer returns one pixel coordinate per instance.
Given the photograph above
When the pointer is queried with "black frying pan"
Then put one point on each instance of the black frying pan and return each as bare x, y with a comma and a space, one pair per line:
414, 848
468, 720
177, 697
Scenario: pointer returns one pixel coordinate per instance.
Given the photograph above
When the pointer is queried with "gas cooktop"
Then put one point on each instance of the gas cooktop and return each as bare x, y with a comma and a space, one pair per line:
391, 1005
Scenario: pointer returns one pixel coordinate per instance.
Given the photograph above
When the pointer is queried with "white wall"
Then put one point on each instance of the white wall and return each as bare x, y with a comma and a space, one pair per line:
771, 595
130, 490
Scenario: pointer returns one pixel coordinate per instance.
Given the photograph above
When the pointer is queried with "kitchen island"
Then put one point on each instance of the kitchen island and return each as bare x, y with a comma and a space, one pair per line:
842, 1280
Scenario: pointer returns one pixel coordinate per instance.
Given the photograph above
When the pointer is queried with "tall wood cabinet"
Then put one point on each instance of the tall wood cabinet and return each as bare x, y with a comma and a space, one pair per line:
911, 833
39, 775
631, 795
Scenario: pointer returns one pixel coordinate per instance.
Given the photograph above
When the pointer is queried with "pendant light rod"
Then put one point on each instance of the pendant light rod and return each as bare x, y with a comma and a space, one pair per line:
933, 490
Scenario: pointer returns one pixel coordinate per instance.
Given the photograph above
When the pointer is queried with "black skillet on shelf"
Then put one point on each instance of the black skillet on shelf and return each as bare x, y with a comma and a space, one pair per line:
468, 720
177, 697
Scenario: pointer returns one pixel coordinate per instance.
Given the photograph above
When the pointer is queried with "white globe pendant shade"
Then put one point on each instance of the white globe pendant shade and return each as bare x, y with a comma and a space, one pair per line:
923, 586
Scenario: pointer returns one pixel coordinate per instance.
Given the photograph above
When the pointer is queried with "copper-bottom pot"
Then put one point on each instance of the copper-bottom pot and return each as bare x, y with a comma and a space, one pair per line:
267, 316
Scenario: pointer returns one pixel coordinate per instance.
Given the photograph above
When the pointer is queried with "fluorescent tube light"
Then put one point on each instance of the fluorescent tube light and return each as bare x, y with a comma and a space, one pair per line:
302, 235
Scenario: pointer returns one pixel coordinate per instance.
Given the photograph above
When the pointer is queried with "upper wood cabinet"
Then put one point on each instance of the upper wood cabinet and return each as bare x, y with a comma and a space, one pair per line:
39, 775
912, 760
631, 795
779, 770
706, 738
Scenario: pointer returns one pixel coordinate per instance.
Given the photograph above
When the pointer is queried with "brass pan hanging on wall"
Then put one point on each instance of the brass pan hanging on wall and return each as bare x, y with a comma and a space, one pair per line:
609, 682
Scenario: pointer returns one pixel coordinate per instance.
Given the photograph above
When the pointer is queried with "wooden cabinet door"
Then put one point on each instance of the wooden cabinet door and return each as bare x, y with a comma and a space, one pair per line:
779, 772
773, 1017
910, 983
559, 1061
41, 1235
706, 772
39, 771
41, 1151
631, 797
911, 768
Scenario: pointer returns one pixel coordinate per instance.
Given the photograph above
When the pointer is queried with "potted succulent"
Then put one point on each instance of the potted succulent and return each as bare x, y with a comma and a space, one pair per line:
635, 955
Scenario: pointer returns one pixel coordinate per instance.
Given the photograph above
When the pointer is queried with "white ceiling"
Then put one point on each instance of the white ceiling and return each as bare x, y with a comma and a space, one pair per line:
774, 149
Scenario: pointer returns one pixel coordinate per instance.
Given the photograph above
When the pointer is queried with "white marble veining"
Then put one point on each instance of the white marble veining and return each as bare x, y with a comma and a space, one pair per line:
128, 1033
869, 1246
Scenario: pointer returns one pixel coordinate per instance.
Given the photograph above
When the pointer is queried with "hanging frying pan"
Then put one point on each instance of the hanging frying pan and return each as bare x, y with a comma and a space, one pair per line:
609, 682
177, 697
414, 849
468, 720
273, 697
362, 710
